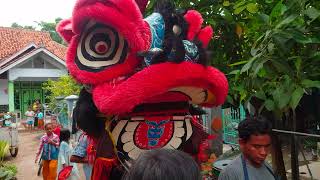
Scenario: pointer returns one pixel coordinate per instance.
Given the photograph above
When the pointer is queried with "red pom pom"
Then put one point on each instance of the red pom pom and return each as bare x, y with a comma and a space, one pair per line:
194, 20
205, 35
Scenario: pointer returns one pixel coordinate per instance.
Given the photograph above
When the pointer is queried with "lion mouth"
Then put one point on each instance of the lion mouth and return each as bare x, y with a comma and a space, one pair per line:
176, 101
165, 83
196, 95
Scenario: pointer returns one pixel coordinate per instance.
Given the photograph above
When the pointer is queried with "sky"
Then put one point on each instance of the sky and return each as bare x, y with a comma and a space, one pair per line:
25, 12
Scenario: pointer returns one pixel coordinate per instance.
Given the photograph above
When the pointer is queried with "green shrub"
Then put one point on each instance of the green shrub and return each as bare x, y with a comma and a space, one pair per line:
8, 172
4, 148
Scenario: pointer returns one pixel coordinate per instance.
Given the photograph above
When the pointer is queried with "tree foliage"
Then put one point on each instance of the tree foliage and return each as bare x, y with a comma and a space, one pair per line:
45, 26
62, 87
51, 28
284, 58
270, 50
16, 25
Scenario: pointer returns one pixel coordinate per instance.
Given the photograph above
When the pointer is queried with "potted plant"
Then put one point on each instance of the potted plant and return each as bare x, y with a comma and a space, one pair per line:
7, 171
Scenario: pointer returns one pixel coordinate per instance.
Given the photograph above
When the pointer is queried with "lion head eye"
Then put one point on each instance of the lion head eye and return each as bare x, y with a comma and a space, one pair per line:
100, 46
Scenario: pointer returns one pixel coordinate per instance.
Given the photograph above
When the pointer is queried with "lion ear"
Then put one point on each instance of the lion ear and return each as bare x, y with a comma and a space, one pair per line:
205, 35
194, 20
64, 28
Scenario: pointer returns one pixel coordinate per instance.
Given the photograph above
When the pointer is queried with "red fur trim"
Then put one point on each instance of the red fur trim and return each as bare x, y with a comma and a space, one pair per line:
156, 80
64, 28
126, 18
123, 15
194, 20
205, 35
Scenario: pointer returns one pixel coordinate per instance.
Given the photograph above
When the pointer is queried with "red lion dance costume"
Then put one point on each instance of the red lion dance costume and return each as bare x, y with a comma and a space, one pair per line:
142, 78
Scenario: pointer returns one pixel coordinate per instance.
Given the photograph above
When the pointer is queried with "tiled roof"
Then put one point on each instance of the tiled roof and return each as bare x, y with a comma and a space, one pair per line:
13, 40
20, 56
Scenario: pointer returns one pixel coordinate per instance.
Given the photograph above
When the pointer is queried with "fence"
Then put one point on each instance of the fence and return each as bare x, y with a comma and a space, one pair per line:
308, 152
231, 118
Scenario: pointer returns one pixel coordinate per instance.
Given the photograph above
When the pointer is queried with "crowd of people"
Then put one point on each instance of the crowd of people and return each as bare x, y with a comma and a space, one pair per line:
57, 155
34, 117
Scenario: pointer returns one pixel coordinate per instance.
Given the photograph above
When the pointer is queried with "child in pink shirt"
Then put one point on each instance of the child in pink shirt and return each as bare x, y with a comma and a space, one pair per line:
49, 150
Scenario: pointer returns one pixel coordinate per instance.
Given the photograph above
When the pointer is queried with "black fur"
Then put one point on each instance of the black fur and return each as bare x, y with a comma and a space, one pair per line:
173, 43
203, 55
85, 114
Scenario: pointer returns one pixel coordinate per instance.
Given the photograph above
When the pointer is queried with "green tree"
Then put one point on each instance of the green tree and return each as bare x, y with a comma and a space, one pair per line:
16, 25
270, 51
284, 64
45, 26
62, 87
51, 28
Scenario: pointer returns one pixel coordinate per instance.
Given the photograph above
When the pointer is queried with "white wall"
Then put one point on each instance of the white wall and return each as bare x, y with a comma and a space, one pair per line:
32, 74
4, 98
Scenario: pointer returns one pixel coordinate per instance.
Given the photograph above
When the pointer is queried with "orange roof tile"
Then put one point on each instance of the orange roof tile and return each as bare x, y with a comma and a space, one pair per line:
13, 40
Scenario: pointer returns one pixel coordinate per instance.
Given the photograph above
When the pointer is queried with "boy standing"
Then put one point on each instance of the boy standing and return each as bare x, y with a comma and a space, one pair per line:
30, 118
49, 150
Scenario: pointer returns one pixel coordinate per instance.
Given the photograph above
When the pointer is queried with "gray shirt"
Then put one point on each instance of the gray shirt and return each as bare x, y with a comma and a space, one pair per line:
234, 171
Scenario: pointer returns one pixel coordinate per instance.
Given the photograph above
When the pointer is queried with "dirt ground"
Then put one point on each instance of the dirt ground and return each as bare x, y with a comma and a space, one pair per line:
28, 144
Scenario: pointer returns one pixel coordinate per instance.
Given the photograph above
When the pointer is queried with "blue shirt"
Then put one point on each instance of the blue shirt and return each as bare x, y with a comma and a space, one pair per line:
40, 115
49, 151
81, 151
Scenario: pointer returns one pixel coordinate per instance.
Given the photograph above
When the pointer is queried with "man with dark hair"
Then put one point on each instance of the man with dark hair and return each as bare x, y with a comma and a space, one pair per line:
164, 164
255, 143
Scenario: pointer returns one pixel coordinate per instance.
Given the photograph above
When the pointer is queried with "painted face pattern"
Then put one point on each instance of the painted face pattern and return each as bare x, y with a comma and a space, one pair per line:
100, 47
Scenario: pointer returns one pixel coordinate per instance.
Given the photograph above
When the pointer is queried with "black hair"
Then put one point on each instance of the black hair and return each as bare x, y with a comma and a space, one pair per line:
64, 135
47, 124
173, 43
86, 113
253, 126
173, 47
164, 164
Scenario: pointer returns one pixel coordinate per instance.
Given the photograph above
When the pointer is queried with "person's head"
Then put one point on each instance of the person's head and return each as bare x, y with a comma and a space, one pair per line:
255, 139
164, 164
29, 109
64, 135
48, 128
55, 124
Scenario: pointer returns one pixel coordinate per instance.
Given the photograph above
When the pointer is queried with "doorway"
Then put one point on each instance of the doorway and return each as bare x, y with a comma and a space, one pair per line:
25, 93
